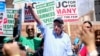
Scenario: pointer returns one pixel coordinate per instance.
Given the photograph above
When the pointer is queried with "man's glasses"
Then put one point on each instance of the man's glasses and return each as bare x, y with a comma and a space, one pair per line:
30, 29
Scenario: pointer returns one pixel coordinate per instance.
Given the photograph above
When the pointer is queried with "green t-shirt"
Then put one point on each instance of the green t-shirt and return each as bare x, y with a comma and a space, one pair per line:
37, 42
27, 42
32, 43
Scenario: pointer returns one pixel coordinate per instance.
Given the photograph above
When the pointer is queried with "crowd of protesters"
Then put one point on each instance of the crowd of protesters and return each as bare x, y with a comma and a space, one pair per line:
52, 42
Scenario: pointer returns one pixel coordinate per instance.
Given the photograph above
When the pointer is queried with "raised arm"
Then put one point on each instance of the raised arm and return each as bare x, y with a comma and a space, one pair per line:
89, 39
40, 25
37, 19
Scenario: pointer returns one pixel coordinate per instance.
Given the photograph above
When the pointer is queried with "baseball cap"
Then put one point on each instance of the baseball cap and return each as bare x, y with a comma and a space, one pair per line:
59, 19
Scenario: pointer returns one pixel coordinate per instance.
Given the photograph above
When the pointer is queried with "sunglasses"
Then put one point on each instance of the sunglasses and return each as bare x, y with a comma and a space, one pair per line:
30, 29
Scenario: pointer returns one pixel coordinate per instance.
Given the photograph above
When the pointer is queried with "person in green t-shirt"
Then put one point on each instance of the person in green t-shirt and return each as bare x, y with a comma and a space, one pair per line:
28, 41
31, 42
37, 41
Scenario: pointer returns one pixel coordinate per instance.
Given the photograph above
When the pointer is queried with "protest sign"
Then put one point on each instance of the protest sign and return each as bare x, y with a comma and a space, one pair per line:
3, 19
8, 26
38, 0
27, 1
67, 9
46, 12
19, 1
27, 15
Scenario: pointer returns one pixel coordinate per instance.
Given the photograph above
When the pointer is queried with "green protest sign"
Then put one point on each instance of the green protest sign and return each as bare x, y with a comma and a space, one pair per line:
46, 12
19, 1
8, 26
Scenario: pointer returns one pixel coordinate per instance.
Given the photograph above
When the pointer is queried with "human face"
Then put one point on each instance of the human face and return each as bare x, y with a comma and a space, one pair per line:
58, 28
98, 40
97, 37
30, 31
86, 27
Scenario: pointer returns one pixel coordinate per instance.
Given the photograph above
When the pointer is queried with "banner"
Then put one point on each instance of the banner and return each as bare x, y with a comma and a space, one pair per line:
27, 15
67, 9
46, 12
27, 1
3, 19
9, 22
19, 1
38, 0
